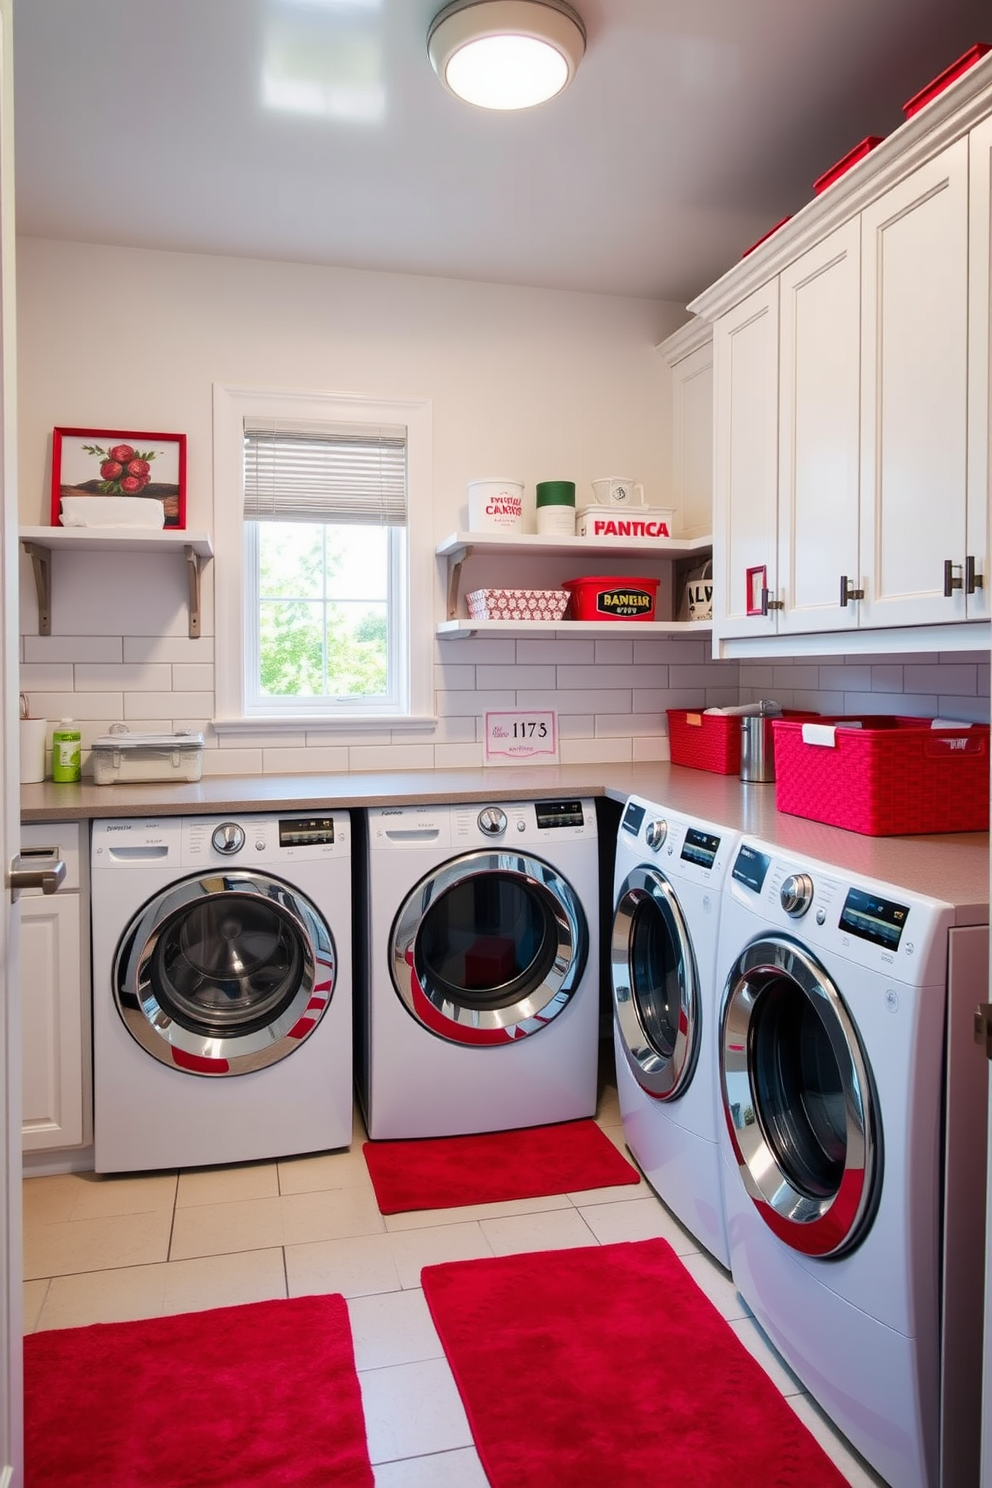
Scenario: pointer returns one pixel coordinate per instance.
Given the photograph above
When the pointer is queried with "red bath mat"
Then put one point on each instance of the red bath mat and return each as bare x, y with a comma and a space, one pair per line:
607, 1365
265, 1393
450, 1172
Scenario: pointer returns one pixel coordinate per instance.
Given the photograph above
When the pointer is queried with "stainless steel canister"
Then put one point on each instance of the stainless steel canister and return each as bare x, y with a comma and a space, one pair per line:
757, 749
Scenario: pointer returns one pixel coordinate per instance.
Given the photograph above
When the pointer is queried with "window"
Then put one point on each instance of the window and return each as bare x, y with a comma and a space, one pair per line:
321, 496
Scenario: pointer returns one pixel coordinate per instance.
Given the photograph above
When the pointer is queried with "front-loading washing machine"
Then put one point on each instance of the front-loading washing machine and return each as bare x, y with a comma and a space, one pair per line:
668, 879
481, 997
222, 996
854, 1151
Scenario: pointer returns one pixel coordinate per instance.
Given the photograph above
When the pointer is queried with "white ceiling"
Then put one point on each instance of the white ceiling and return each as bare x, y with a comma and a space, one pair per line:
315, 131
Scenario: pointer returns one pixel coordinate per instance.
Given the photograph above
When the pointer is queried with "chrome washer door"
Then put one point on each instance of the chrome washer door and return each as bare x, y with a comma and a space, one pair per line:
224, 973
489, 948
799, 1100
655, 985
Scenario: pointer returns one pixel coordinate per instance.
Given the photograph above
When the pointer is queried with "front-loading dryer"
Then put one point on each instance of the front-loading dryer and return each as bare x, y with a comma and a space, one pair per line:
846, 1061
668, 878
481, 999
222, 997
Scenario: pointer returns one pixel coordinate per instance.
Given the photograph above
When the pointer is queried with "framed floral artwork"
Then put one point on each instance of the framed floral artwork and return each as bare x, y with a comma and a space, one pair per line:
111, 463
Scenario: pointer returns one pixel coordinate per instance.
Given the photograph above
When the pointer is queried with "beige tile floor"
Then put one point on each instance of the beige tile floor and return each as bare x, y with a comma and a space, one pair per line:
101, 1249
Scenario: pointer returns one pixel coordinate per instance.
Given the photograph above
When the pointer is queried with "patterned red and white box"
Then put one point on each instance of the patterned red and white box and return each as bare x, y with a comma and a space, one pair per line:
517, 604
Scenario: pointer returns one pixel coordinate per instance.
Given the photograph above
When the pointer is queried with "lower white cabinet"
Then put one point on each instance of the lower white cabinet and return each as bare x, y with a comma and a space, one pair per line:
54, 998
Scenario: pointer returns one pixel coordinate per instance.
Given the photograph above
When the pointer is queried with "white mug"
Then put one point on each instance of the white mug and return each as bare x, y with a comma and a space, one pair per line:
618, 490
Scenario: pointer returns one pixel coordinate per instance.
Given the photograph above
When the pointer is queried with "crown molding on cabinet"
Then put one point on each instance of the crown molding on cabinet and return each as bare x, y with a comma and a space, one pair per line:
693, 336
951, 115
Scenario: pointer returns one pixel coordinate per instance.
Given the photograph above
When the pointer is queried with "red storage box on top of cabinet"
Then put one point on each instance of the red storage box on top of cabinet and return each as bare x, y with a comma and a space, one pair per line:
890, 777
710, 741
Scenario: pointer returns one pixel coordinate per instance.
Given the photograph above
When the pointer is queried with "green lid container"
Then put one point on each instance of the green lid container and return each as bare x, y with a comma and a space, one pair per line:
556, 493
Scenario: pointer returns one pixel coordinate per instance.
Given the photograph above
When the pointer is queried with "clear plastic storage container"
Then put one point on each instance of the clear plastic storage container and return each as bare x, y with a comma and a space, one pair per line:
126, 757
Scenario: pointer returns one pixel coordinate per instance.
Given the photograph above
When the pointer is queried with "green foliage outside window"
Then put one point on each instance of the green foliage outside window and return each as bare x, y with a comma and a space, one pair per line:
323, 623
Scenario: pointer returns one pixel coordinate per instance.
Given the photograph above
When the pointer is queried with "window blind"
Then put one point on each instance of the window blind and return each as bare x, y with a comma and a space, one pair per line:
298, 472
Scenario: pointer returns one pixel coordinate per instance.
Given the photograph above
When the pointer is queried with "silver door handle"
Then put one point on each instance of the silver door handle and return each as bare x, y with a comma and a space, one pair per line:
46, 876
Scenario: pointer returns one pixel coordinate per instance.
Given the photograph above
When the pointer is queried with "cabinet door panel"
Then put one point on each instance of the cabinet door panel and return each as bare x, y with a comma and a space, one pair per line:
914, 393
52, 1032
692, 437
979, 603
745, 526
819, 435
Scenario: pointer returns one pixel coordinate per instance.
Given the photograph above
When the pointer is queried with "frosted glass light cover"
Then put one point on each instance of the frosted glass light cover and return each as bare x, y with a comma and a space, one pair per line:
507, 72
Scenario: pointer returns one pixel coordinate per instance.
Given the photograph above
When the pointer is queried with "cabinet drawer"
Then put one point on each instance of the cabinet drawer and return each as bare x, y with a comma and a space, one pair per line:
64, 838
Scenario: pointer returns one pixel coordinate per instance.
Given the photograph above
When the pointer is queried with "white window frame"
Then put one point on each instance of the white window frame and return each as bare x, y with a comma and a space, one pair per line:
234, 587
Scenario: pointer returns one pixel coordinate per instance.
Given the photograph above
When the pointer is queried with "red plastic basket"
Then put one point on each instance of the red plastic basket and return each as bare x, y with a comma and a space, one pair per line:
889, 778
710, 741
944, 79
843, 165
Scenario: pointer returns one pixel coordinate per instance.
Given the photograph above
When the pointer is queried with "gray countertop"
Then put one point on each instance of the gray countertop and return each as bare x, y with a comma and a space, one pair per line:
953, 868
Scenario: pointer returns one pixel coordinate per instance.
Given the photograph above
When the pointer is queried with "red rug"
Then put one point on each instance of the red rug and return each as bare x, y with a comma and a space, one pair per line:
265, 1393
607, 1365
450, 1172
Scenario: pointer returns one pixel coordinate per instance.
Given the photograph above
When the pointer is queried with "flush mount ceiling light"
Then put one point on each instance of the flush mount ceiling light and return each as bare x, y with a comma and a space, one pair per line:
506, 54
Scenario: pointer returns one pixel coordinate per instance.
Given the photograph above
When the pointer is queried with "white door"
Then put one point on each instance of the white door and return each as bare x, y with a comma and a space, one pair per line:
745, 454
11, 1391
819, 434
914, 391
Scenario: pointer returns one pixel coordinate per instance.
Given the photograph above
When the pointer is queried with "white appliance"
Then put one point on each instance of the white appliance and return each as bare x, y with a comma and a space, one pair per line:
854, 1151
222, 998
481, 1009
668, 881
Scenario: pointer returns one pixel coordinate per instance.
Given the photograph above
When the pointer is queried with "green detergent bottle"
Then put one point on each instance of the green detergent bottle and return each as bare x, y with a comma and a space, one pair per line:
66, 752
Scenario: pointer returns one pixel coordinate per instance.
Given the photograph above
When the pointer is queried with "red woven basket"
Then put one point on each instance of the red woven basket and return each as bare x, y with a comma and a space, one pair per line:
889, 778
710, 741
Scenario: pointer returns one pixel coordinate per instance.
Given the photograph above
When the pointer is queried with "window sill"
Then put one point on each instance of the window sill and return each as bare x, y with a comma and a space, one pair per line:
320, 723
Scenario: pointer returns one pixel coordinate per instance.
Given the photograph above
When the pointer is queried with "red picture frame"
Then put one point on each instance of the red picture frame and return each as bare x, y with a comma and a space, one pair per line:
120, 462
756, 584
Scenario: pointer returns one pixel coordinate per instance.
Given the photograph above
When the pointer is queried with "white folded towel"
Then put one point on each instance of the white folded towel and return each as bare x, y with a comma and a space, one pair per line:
112, 511
764, 709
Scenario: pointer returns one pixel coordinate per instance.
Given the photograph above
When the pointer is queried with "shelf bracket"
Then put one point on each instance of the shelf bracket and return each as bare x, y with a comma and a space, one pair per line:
193, 570
41, 563
454, 578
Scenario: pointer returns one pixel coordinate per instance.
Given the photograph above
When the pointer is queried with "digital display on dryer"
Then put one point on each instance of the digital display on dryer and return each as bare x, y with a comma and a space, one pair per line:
559, 814
750, 867
632, 818
309, 831
700, 847
870, 918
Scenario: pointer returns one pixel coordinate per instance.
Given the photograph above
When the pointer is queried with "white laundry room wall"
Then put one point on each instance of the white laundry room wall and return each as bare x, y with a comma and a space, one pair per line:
532, 383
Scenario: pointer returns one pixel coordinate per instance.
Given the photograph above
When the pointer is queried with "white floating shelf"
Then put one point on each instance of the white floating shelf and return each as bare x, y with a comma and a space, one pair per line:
459, 545
41, 542
570, 629
118, 540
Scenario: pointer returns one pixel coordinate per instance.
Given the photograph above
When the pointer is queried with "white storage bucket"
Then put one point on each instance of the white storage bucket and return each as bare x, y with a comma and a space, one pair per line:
495, 505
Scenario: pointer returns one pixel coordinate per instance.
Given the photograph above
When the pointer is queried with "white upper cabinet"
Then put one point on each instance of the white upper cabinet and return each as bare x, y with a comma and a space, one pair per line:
689, 353
914, 395
819, 372
852, 383
745, 412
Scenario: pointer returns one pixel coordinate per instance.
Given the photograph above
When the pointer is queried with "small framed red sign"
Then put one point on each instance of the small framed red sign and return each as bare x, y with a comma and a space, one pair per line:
114, 463
756, 589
